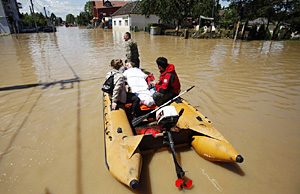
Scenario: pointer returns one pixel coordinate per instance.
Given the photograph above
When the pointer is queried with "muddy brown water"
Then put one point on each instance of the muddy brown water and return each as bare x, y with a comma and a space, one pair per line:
51, 139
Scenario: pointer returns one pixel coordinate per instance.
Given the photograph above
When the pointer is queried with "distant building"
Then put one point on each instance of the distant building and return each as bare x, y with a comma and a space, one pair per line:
9, 15
129, 16
103, 10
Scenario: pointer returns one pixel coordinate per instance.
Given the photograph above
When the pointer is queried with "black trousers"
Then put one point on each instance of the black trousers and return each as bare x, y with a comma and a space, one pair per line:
132, 98
161, 98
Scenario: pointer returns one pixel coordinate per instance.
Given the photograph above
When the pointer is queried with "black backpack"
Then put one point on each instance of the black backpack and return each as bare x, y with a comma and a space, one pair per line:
108, 85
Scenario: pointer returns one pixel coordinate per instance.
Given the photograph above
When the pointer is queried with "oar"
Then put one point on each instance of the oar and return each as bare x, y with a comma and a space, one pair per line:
179, 171
139, 119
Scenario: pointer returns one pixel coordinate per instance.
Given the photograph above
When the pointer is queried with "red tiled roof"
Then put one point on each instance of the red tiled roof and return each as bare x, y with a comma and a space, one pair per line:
99, 4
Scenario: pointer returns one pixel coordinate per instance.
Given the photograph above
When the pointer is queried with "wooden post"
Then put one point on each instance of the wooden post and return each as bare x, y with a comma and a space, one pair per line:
32, 12
186, 33
237, 29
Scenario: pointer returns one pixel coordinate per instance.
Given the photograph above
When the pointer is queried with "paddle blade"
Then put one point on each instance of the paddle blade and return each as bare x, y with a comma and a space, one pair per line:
180, 182
188, 184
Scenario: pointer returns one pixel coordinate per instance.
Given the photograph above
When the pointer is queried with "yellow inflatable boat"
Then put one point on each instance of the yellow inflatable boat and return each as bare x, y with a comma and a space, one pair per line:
124, 145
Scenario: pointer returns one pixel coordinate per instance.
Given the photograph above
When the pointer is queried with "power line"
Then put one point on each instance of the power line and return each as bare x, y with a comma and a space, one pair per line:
47, 84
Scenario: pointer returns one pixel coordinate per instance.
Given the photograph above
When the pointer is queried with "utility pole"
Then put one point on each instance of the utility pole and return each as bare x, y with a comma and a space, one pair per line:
212, 23
32, 12
46, 16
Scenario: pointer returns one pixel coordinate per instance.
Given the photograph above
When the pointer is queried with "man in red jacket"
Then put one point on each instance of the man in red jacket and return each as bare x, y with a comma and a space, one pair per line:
168, 85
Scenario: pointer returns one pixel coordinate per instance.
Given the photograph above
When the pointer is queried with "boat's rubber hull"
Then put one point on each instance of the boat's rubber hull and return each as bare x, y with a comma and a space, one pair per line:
122, 147
215, 150
207, 141
124, 166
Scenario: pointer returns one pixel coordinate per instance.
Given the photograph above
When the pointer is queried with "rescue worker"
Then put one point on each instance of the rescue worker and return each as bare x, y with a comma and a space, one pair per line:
132, 52
168, 85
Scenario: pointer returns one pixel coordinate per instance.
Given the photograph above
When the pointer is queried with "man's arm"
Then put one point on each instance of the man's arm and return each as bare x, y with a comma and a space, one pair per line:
166, 84
128, 50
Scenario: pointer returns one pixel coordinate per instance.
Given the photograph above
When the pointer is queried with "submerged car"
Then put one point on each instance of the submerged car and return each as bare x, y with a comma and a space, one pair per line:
49, 29
27, 30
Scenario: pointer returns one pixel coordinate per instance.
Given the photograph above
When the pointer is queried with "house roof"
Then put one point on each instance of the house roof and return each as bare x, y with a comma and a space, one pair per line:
99, 4
221, 12
129, 8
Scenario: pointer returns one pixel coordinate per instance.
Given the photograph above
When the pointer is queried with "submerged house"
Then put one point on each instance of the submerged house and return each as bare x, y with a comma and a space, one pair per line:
130, 17
262, 21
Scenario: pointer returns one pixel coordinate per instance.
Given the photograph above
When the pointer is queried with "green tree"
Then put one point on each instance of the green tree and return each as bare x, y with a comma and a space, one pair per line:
207, 8
85, 17
88, 8
40, 19
70, 19
276, 11
169, 9
58, 21
293, 16
29, 20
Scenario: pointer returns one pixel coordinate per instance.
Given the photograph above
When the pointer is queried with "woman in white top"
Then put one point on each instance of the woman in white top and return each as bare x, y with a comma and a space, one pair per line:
136, 81
119, 95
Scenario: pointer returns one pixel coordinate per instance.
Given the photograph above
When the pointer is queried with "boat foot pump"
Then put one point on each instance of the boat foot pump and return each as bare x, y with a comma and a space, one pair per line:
167, 117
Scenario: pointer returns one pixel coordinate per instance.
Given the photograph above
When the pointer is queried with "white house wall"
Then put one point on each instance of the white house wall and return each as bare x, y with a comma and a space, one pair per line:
119, 22
141, 21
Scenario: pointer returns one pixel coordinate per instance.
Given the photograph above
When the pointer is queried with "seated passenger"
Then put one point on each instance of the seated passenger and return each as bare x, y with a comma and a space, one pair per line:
168, 85
136, 81
119, 96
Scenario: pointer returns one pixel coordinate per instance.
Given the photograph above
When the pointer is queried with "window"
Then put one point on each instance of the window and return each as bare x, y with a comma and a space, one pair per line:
107, 4
120, 22
115, 23
126, 22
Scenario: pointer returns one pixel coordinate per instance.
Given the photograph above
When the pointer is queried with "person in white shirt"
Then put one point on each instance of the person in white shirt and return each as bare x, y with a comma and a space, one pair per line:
136, 81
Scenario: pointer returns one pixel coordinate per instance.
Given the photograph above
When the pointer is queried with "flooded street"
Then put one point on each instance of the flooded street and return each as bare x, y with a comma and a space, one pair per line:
51, 137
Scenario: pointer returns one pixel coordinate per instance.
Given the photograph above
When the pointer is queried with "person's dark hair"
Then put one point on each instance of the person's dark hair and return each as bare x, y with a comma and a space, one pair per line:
116, 63
163, 62
128, 34
132, 64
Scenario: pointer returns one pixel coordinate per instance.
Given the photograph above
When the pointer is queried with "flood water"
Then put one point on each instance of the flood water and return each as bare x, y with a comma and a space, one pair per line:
51, 139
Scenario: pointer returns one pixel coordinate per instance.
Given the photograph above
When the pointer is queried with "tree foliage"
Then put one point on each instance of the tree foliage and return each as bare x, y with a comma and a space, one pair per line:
279, 12
41, 20
169, 9
207, 8
88, 8
85, 17
70, 19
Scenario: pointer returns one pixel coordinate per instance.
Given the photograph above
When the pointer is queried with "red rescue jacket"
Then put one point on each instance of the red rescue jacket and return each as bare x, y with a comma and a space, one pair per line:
168, 81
